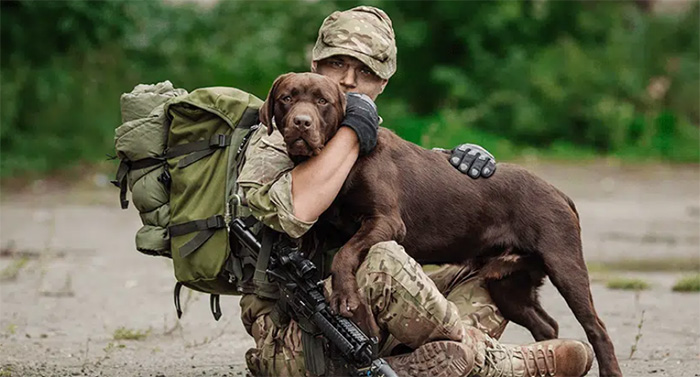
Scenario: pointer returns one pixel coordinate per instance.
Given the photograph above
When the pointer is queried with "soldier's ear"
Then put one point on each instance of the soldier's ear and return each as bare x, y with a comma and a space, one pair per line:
267, 111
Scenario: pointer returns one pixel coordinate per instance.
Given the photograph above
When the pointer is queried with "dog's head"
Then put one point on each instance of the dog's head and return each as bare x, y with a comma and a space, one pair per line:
306, 108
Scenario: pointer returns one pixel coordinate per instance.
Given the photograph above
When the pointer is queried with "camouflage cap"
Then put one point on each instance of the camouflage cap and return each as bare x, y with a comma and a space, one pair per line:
364, 33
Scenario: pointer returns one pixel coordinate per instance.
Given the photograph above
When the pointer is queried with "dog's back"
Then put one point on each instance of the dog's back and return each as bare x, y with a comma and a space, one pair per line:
446, 213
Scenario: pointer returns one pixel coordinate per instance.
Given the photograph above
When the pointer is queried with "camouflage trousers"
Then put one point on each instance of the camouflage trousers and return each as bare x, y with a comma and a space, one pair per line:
409, 306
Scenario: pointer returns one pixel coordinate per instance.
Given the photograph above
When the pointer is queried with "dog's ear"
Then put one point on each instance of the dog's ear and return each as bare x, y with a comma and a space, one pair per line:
267, 111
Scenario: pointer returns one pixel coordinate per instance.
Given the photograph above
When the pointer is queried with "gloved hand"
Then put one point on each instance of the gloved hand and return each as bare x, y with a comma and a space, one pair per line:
361, 115
473, 160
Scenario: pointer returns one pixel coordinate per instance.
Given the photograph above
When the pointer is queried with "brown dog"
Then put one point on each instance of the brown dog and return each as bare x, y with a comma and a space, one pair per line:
515, 227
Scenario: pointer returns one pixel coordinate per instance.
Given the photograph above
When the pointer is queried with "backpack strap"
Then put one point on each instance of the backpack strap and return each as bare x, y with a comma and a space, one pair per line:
123, 170
198, 149
206, 227
215, 306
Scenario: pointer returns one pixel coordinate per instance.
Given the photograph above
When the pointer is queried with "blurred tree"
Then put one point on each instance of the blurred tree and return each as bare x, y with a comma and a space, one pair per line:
595, 75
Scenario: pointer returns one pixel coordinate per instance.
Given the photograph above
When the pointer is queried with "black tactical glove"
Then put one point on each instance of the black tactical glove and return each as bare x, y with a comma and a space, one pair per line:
473, 161
361, 115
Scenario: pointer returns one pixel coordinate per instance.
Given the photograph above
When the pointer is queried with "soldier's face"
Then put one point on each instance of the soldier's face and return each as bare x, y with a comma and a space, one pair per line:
352, 75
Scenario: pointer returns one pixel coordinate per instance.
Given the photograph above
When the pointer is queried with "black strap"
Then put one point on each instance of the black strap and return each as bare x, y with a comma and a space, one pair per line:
268, 239
203, 148
194, 157
206, 227
215, 306
120, 181
249, 118
124, 167
176, 296
145, 163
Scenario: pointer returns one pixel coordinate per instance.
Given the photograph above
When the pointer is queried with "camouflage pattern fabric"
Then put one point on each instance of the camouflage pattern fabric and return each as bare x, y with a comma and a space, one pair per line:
265, 180
365, 33
404, 301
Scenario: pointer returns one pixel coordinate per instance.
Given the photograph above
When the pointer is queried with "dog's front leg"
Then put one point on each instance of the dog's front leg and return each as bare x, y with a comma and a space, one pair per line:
345, 298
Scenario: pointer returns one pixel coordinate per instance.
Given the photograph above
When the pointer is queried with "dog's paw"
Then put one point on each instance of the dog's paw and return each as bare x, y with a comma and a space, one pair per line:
345, 300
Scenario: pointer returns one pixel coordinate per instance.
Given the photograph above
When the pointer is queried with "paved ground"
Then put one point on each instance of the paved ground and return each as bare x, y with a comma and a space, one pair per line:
78, 279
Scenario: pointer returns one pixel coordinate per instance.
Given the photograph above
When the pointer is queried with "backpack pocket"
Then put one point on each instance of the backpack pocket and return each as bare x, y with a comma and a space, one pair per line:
199, 237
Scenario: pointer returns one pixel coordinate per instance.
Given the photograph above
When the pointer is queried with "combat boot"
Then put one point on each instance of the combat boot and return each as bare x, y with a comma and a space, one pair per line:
434, 359
552, 358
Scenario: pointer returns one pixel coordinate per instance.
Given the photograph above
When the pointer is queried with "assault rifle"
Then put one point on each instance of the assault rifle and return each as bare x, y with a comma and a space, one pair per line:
303, 292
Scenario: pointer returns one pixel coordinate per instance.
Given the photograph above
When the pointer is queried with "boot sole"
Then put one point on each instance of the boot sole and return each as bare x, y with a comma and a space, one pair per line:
434, 359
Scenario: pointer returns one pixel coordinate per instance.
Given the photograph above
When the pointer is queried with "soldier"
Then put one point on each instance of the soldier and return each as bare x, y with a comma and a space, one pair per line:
445, 322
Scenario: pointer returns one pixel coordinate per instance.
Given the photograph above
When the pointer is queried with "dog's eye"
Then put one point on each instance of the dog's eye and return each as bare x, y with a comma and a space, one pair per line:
322, 101
287, 99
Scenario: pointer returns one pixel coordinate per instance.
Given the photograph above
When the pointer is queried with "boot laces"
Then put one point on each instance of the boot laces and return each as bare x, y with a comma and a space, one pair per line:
496, 353
500, 360
537, 353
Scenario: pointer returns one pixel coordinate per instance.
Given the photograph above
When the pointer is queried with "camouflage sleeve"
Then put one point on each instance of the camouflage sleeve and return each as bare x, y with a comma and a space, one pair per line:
266, 181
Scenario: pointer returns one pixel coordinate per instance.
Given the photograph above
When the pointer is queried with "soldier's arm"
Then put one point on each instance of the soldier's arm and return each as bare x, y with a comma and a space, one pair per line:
288, 198
265, 180
317, 181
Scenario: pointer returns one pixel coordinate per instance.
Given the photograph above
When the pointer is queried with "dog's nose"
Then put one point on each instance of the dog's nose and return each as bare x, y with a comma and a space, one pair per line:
302, 121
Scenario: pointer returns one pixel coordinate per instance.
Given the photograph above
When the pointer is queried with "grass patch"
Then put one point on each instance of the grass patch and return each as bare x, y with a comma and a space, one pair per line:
6, 371
12, 271
627, 284
689, 264
688, 284
124, 333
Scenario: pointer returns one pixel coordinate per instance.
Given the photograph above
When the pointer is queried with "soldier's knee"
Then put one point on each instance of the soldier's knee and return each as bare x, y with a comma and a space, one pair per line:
385, 257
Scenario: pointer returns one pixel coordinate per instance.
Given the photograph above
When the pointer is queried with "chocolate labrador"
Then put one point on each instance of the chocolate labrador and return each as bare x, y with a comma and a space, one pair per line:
513, 227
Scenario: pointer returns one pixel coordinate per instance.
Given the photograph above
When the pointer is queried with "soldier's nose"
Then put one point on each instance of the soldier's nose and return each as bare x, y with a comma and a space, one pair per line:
302, 121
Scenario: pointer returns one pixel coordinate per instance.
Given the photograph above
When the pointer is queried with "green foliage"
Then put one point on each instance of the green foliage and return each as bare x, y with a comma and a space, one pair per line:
575, 79
688, 284
601, 76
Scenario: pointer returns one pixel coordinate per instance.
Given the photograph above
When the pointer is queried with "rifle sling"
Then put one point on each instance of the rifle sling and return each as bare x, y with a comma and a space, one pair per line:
268, 239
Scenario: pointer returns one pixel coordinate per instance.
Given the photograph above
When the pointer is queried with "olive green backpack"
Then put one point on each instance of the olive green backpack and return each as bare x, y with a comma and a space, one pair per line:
179, 157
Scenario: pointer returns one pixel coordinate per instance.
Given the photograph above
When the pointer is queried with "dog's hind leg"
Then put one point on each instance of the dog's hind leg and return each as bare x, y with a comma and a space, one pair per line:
515, 296
564, 263
547, 318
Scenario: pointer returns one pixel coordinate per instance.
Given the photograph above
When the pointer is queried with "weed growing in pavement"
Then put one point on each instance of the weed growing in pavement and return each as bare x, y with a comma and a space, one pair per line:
123, 333
627, 284
688, 284
637, 337
6, 371
12, 271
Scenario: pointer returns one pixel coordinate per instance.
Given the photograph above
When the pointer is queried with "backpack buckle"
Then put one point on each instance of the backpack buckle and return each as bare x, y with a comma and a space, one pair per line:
218, 141
216, 222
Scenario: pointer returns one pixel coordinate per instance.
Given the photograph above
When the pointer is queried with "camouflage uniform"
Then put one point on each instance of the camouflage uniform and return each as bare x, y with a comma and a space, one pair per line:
409, 307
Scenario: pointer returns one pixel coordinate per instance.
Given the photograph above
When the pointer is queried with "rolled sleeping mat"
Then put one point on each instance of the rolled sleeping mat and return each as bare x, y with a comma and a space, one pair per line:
143, 137
139, 102
153, 240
